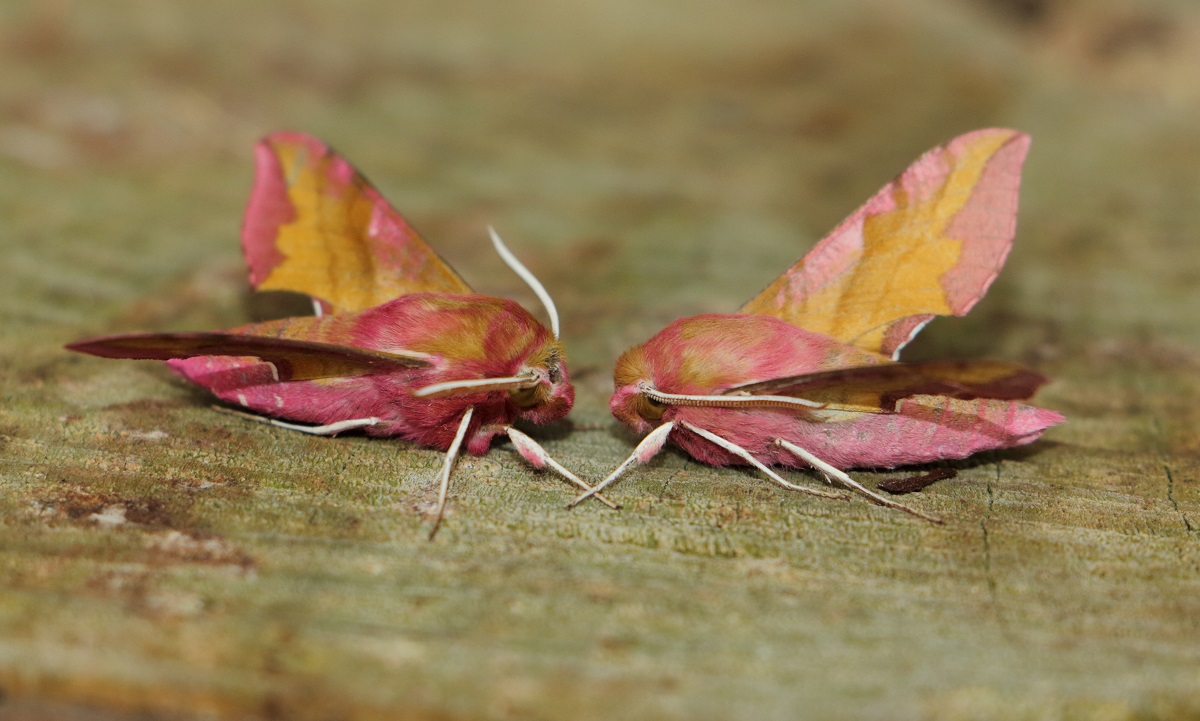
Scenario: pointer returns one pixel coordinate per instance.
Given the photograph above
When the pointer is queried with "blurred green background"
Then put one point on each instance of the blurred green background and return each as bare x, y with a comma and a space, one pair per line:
159, 560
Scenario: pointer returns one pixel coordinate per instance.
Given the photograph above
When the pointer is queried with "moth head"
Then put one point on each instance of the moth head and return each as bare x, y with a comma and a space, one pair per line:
630, 403
550, 395
501, 355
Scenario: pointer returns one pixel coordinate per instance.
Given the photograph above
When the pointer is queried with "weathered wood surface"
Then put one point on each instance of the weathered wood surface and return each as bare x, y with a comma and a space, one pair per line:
160, 560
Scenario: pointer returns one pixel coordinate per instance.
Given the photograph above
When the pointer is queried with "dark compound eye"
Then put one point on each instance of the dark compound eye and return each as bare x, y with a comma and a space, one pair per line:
649, 408
554, 374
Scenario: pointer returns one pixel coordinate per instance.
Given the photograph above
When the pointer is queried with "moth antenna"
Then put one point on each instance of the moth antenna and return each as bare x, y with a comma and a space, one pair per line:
728, 401
478, 385
530, 279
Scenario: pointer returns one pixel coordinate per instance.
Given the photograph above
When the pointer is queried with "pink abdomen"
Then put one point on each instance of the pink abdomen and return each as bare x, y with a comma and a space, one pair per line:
251, 384
924, 429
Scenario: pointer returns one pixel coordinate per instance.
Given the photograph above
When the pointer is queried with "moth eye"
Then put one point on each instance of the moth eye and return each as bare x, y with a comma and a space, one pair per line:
650, 408
555, 373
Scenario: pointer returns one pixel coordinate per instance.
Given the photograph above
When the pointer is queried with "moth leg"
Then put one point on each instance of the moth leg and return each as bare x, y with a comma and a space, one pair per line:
447, 466
537, 456
841, 477
331, 429
744, 454
647, 449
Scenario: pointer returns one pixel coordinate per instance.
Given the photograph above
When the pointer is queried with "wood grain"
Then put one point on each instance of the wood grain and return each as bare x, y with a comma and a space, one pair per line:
160, 560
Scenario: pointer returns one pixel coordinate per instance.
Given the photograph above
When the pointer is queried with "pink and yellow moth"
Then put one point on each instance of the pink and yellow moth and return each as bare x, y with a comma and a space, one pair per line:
399, 344
806, 375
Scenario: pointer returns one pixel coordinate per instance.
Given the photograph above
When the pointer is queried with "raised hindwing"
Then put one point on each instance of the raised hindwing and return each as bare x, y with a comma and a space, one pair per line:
314, 225
929, 243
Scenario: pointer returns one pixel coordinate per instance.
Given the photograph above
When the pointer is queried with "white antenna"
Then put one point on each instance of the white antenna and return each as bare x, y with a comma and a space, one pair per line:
729, 401
530, 280
478, 384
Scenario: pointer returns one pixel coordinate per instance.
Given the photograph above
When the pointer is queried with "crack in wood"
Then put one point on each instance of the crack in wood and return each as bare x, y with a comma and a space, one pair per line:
988, 570
1187, 523
670, 479
1156, 422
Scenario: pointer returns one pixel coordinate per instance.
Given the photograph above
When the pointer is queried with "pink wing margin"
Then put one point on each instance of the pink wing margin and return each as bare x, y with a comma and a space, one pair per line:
869, 282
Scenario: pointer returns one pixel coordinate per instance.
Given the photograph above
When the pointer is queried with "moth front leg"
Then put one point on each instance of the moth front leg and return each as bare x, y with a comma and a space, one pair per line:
537, 457
647, 449
841, 477
331, 429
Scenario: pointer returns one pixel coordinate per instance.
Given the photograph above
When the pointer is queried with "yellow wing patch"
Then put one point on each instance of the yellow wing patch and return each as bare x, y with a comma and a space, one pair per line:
929, 243
314, 225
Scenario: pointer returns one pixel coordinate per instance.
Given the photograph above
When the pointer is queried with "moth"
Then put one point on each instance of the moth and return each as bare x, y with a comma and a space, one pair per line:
806, 374
399, 344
